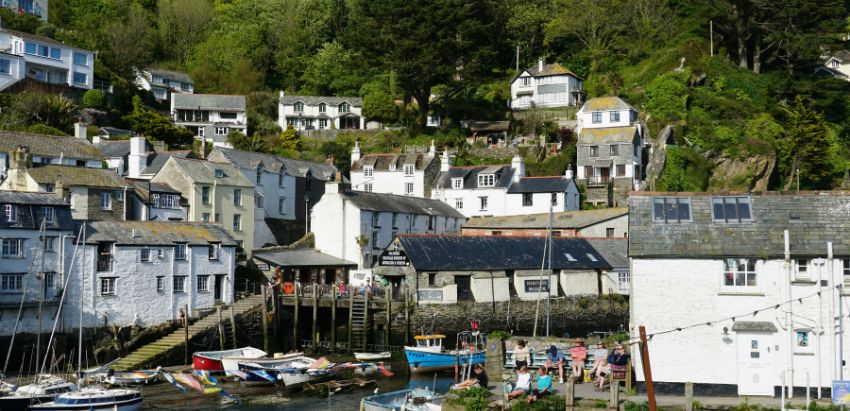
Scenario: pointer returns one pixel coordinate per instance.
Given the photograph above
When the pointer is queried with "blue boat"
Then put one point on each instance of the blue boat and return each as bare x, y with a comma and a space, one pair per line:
428, 354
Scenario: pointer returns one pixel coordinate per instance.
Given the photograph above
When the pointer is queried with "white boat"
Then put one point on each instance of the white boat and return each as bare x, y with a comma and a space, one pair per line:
416, 399
303, 369
372, 356
131, 377
214, 361
94, 398
45, 388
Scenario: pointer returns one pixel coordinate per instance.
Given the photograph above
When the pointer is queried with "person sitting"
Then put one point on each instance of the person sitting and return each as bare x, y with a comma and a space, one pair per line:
544, 386
600, 365
523, 383
554, 359
479, 379
577, 356
618, 359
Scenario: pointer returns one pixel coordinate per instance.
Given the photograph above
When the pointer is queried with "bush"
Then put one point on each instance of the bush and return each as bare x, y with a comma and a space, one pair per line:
498, 335
471, 399
43, 129
94, 99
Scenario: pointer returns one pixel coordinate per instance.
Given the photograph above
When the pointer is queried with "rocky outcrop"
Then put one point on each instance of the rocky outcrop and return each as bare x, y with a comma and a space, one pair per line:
658, 155
747, 174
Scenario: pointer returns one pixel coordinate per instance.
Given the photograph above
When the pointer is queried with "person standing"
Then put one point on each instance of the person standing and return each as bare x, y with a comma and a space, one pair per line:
522, 355
578, 354
554, 359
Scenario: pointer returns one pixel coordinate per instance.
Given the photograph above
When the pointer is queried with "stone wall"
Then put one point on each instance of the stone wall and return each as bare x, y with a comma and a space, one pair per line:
114, 213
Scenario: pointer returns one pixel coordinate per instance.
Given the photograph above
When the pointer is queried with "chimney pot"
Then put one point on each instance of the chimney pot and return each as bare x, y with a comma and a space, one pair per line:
541, 62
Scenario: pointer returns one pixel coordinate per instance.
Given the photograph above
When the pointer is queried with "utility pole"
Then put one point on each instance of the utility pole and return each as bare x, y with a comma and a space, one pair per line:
647, 368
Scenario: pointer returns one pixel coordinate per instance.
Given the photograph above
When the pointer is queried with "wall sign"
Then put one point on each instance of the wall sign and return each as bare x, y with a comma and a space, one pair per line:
430, 295
393, 258
841, 392
533, 286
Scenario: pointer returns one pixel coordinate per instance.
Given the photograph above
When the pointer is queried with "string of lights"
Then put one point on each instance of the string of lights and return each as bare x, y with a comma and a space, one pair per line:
733, 318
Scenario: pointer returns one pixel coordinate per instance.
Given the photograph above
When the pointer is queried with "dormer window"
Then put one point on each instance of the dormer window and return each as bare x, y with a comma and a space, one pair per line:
457, 183
323, 108
344, 107
392, 166
259, 174
368, 171
486, 180
298, 107
597, 117
408, 169
219, 173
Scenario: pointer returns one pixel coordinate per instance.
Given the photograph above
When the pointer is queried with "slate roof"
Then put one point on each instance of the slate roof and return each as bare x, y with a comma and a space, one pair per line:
490, 126
113, 149
112, 131
157, 160
400, 204
157, 233
484, 253
551, 69
625, 135
144, 187
562, 220
812, 219
45, 145
381, 162
841, 55
315, 100
209, 102
606, 103
614, 250
203, 172
469, 175
39, 39
301, 258
30, 211
549, 184
72, 176
169, 74
272, 163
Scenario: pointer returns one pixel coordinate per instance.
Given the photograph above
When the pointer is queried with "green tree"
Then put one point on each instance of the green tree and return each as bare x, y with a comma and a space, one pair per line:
379, 105
289, 139
809, 146
182, 25
148, 123
240, 141
94, 99
332, 72
595, 24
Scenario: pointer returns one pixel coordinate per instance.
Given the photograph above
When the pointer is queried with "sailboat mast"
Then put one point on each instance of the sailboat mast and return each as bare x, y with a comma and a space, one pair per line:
41, 274
82, 294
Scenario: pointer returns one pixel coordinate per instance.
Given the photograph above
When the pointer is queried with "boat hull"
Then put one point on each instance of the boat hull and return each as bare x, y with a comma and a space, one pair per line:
128, 405
212, 361
368, 356
421, 361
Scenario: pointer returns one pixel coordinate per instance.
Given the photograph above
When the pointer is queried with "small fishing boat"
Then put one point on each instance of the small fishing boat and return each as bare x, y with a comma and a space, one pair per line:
428, 354
372, 356
416, 399
212, 360
45, 388
92, 399
131, 377
231, 364
292, 371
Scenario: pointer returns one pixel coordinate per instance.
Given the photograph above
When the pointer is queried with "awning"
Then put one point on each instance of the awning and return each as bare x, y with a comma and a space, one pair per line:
756, 326
525, 93
604, 163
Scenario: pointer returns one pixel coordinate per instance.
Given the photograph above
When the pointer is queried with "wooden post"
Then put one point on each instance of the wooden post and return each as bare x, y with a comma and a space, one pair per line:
366, 322
629, 376
295, 320
220, 329
614, 402
186, 332
265, 319
389, 319
333, 319
315, 334
457, 367
406, 317
689, 396
570, 391
233, 327
350, 318
647, 368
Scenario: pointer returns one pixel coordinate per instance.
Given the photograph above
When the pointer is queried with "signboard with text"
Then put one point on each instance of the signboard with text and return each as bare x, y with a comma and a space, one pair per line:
841, 392
393, 258
533, 286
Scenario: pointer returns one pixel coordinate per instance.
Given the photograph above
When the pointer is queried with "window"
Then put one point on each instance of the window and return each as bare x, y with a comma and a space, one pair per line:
527, 199
213, 251
239, 245
496, 232
802, 341
731, 209
280, 178
237, 222
227, 115
323, 123
5, 66
432, 222
205, 217
298, 107
588, 171
188, 87
11, 282
217, 218
11, 213
486, 180
49, 279
392, 166
344, 108
80, 78
614, 150
624, 280
802, 266
594, 151
160, 284
13, 247
556, 233
221, 131
432, 279
846, 271
739, 272
395, 221
259, 179
201, 132
165, 200
107, 286
614, 116
457, 183
609, 232
50, 243
237, 197
219, 173
281, 205
459, 203
323, 108
408, 188
146, 255
597, 117
368, 171
205, 195
671, 209
258, 200
408, 170
526, 81
367, 187
483, 203
375, 239
203, 283
376, 220
106, 201
180, 251
179, 284
621, 170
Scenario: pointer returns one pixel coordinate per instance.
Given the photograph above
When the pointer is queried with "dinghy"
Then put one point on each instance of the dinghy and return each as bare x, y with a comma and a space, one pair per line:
372, 356
212, 360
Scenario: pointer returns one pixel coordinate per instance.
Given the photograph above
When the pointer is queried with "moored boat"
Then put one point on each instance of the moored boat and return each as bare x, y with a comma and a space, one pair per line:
372, 356
232, 364
428, 354
45, 388
94, 398
416, 399
212, 360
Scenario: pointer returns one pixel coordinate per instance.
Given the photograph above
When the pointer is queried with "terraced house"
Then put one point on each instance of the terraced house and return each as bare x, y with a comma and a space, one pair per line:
24, 55
409, 174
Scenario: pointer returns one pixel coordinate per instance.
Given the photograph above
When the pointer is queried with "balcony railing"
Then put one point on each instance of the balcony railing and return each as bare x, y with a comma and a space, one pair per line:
104, 262
598, 181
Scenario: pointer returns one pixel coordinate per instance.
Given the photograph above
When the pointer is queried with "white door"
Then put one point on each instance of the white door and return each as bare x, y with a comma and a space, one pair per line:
755, 363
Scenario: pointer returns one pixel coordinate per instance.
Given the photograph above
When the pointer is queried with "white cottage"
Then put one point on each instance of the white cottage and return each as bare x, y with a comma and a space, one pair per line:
320, 112
410, 174
211, 117
44, 59
738, 291
161, 83
546, 85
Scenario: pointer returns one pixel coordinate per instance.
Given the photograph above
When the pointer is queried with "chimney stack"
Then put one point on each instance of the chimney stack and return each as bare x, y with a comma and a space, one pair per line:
541, 62
138, 158
518, 165
445, 162
81, 130
59, 189
355, 152
569, 173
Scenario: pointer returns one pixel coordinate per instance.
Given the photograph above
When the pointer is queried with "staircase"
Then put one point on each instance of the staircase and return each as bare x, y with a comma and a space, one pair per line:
359, 324
146, 356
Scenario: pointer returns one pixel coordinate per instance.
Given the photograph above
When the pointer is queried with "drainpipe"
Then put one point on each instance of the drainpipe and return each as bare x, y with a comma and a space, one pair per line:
831, 283
789, 325
820, 333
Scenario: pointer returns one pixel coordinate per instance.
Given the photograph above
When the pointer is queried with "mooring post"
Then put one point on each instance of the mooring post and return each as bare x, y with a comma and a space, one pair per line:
233, 326
570, 393
186, 332
406, 317
265, 319
220, 329
614, 402
689, 396
389, 318
629, 376
315, 334
333, 319
350, 318
295, 318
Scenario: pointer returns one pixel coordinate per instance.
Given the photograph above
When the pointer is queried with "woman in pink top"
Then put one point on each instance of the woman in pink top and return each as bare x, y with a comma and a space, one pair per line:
578, 354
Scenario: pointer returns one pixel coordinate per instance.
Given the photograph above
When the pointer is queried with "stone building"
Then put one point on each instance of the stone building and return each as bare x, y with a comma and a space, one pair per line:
409, 174
45, 149
603, 222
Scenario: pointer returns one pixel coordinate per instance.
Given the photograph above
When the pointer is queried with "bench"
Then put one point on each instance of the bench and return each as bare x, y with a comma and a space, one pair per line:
538, 358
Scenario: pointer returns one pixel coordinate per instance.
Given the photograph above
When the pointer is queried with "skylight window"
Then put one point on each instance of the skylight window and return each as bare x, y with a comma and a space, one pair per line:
591, 257
671, 209
731, 209
570, 257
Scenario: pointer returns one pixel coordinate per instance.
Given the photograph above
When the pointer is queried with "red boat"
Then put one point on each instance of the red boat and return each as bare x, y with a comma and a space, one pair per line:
211, 360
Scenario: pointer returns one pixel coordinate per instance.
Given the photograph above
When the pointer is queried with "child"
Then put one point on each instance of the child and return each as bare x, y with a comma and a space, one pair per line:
523, 383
